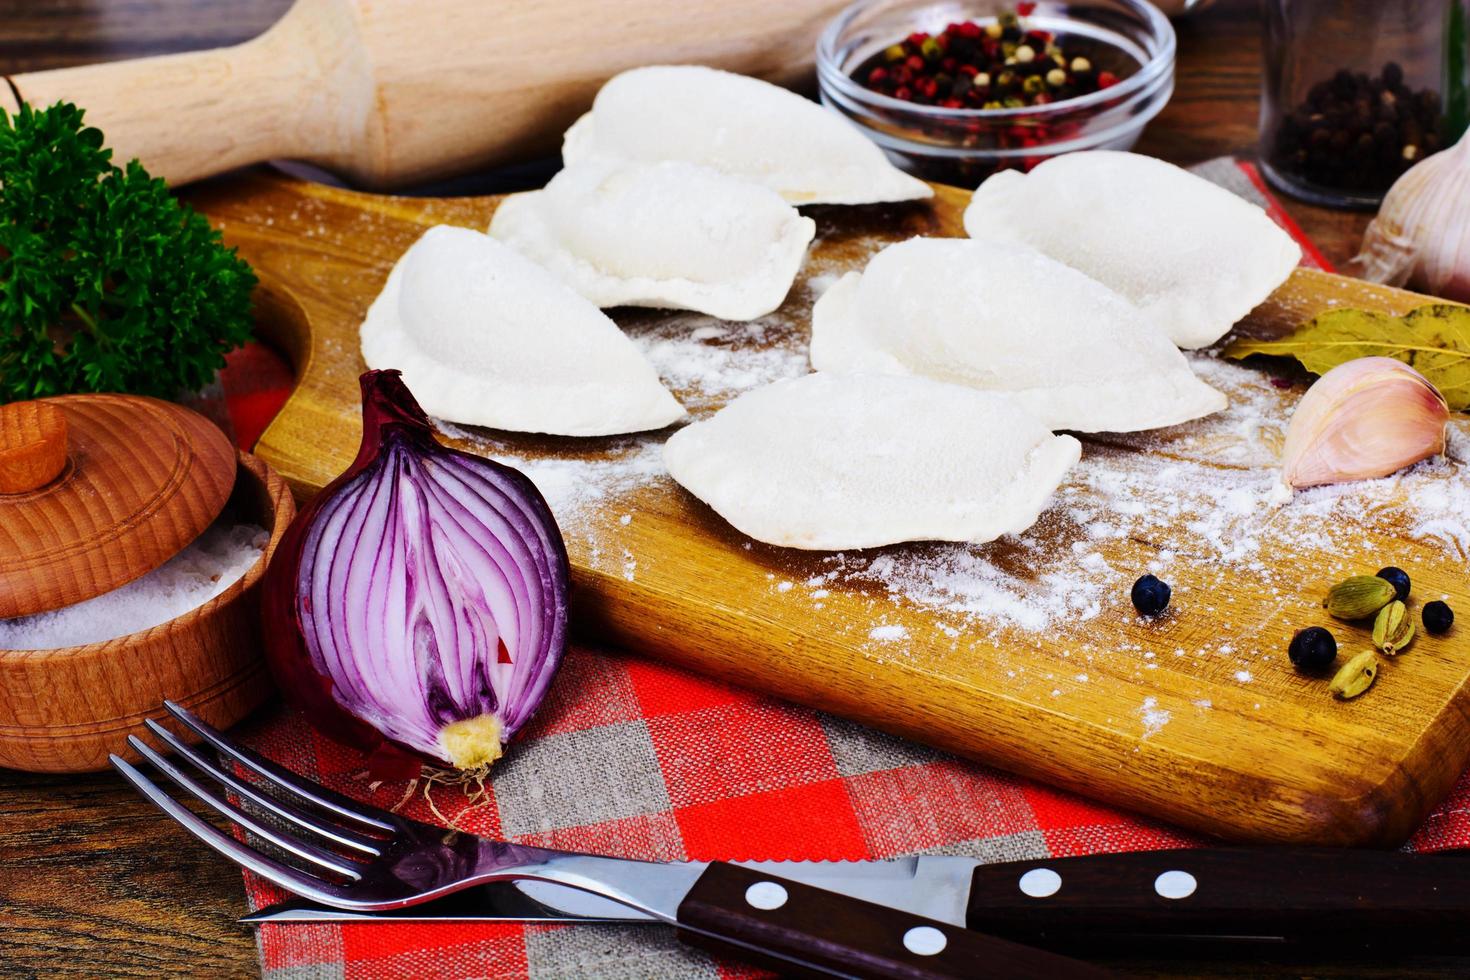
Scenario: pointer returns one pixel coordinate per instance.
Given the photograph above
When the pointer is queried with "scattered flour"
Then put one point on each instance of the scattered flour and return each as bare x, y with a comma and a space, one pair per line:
1203, 498
210, 565
573, 485
1154, 718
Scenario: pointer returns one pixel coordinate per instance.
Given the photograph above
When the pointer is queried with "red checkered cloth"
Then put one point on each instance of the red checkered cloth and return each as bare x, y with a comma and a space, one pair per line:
635, 758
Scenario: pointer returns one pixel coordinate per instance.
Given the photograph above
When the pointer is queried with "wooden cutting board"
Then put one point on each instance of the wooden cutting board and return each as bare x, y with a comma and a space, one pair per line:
1025, 653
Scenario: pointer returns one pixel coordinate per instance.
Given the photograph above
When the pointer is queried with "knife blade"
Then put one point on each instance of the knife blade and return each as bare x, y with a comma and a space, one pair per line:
932, 886
495, 902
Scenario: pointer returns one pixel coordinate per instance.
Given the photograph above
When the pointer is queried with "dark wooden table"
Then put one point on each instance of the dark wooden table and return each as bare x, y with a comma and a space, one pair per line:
95, 883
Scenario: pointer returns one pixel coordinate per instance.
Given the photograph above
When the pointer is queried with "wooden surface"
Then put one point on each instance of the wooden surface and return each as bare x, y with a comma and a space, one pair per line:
702, 599
144, 478
84, 893
387, 96
65, 710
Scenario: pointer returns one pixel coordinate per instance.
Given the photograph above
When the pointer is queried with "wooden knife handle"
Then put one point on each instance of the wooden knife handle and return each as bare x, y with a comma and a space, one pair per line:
799, 930
1288, 892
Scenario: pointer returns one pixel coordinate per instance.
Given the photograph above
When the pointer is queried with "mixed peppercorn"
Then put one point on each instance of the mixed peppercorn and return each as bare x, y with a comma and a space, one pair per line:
1000, 65
1358, 133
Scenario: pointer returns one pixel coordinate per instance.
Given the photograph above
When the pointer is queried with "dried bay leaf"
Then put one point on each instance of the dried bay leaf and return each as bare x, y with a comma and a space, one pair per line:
1434, 340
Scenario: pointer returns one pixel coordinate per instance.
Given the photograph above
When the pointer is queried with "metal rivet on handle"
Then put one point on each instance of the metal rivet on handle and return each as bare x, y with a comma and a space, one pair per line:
924, 941
1040, 883
1175, 884
766, 895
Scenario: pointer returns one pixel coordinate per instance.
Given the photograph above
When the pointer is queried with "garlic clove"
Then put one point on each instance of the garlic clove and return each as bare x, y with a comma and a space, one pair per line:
1421, 236
1363, 419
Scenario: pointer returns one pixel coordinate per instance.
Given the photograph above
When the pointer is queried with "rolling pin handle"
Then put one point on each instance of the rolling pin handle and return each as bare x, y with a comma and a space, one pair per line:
300, 90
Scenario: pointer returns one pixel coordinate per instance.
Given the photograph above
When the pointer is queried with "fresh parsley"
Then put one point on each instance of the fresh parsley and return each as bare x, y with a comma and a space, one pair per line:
107, 283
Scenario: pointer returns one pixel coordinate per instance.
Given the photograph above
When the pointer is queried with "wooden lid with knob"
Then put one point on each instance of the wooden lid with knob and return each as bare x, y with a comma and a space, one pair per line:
96, 490
32, 445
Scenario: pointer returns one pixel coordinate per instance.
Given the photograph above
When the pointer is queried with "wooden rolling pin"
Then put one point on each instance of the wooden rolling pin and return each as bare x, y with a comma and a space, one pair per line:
393, 92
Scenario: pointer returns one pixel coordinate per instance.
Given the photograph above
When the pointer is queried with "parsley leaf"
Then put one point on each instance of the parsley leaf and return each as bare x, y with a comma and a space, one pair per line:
107, 283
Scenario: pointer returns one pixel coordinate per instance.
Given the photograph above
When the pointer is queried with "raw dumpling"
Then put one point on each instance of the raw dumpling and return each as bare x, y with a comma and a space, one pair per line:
667, 234
739, 125
1004, 317
830, 462
485, 336
1194, 257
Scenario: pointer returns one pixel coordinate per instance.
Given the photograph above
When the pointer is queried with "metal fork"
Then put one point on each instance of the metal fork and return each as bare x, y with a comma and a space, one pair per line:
354, 856
381, 860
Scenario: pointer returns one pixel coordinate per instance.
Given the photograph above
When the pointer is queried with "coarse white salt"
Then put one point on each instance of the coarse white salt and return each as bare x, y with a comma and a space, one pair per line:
213, 562
1244, 676
785, 586
888, 634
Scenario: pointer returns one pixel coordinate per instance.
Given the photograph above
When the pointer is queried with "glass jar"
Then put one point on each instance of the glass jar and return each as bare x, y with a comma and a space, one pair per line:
964, 146
1357, 91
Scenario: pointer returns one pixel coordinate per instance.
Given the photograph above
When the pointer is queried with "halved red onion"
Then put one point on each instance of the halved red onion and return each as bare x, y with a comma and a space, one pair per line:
420, 601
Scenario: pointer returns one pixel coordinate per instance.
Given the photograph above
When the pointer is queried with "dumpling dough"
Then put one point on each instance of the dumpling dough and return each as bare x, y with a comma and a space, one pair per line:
485, 336
739, 125
828, 462
1004, 317
667, 234
1194, 257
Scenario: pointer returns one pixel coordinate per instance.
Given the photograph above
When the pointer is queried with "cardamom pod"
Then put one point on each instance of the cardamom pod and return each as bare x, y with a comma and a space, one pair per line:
1356, 676
1359, 597
1393, 630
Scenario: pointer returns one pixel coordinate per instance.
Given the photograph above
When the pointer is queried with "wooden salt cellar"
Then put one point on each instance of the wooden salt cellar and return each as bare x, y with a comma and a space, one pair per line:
96, 491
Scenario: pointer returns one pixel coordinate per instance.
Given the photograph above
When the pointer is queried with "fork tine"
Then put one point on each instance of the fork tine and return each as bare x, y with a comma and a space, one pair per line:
342, 806
247, 857
282, 809
307, 852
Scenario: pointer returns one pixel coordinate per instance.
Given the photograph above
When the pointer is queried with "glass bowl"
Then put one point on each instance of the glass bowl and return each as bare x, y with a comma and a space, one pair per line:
964, 146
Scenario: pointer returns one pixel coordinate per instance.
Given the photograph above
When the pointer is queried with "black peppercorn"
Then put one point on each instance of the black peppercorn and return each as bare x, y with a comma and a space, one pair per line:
1398, 578
1312, 649
1356, 133
1438, 617
1150, 596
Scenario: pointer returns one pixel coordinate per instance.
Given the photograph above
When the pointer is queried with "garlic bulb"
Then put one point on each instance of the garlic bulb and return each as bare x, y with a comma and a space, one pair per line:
1421, 236
1363, 419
